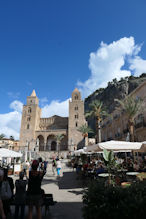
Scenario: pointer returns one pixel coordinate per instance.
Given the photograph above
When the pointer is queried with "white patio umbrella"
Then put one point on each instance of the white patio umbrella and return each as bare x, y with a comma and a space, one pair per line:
143, 147
6, 153
81, 151
93, 148
121, 146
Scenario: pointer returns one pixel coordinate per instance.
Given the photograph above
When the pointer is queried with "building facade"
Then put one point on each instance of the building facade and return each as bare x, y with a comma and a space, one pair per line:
39, 134
115, 127
9, 144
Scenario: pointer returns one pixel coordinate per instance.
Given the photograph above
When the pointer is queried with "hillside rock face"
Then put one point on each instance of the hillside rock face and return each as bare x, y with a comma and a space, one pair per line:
114, 90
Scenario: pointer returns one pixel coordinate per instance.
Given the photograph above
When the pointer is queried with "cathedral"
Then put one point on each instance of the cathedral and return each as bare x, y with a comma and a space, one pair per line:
39, 134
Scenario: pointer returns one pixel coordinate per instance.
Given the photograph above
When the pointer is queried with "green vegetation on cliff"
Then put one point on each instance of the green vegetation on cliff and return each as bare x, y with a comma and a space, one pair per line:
114, 90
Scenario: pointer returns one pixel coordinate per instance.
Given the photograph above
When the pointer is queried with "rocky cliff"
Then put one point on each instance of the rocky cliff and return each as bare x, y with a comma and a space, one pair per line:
114, 90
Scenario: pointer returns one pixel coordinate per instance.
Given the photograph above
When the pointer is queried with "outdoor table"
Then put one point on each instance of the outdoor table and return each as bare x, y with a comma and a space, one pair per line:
132, 173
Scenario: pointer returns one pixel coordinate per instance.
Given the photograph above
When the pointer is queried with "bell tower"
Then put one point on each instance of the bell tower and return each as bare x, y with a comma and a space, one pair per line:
75, 120
30, 121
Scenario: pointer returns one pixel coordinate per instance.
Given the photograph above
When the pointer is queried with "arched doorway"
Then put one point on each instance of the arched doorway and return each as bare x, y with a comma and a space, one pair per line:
64, 144
41, 142
51, 143
53, 146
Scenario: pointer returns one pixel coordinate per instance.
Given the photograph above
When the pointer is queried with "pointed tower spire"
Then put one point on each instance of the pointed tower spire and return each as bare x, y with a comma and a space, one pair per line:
76, 90
33, 93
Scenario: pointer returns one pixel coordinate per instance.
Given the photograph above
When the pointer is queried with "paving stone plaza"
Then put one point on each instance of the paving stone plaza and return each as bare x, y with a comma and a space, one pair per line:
66, 190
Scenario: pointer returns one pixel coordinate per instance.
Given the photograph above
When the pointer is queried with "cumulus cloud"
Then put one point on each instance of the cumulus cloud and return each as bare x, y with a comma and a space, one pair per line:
138, 66
16, 105
108, 62
56, 108
10, 122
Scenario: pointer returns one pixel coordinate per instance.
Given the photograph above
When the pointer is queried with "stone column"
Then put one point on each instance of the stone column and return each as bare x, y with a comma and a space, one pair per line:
45, 142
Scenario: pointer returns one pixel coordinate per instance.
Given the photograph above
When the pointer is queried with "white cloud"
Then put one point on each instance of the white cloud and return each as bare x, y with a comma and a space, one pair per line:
108, 62
43, 101
10, 122
138, 66
56, 108
16, 105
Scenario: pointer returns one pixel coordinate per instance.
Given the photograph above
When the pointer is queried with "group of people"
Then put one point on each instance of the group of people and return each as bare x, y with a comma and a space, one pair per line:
97, 165
26, 190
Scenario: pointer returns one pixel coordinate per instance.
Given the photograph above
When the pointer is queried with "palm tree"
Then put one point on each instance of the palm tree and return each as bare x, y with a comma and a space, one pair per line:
97, 111
58, 138
2, 136
132, 107
85, 129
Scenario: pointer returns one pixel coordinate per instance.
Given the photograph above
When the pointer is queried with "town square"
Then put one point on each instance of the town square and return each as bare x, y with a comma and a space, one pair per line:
73, 109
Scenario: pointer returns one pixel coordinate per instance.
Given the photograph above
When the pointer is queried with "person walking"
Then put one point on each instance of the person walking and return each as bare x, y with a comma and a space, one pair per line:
35, 193
58, 166
20, 195
53, 166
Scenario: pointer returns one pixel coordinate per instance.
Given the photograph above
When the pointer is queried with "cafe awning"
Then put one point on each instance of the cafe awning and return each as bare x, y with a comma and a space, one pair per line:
6, 153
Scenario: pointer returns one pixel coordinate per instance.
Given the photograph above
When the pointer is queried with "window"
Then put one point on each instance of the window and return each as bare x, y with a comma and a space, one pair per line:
27, 126
76, 116
29, 118
76, 124
76, 97
76, 107
29, 110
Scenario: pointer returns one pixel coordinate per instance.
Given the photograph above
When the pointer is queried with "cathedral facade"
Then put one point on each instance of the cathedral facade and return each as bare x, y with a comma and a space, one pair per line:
39, 134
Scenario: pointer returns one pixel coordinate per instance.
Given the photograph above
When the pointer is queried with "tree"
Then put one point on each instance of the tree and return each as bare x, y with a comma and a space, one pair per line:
59, 138
97, 110
132, 107
2, 136
12, 138
84, 129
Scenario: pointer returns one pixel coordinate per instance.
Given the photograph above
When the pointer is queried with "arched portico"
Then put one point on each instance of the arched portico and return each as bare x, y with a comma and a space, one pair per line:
51, 143
64, 143
41, 142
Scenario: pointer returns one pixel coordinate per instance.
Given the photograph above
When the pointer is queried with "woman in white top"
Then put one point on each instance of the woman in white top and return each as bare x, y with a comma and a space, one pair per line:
58, 166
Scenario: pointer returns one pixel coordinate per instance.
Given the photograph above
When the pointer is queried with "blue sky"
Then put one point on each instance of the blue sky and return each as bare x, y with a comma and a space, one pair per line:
53, 46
